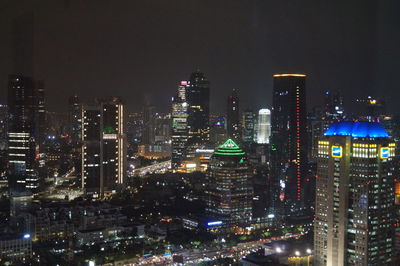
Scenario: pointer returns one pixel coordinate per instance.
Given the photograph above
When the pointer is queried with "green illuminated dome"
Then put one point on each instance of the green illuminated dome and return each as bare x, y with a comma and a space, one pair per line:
228, 154
229, 148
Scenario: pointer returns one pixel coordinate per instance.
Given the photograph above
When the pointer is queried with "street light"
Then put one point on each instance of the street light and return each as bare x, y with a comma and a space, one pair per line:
308, 251
297, 253
278, 249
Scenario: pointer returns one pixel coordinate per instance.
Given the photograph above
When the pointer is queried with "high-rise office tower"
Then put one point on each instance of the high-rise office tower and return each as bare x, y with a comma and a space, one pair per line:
22, 174
229, 191
198, 99
218, 134
179, 134
91, 159
232, 116
75, 119
354, 195
40, 113
113, 142
162, 132
264, 126
289, 138
103, 147
249, 122
321, 118
333, 106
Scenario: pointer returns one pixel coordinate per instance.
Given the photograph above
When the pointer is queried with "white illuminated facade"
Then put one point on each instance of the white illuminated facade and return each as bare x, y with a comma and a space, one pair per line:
264, 126
179, 134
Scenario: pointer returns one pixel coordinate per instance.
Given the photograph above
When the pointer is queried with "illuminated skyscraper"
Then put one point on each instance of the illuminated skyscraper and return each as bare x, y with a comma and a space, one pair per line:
179, 126
264, 126
198, 99
249, 122
354, 195
333, 106
22, 174
40, 113
218, 134
232, 116
91, 161
229, 191
103, 147
289, 138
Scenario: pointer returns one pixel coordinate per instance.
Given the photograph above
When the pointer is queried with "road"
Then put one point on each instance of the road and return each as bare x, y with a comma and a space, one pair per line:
195, 257
158, 168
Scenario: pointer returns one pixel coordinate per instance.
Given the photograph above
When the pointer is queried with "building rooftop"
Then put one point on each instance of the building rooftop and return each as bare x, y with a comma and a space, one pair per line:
289, 75
229, 148
357, 129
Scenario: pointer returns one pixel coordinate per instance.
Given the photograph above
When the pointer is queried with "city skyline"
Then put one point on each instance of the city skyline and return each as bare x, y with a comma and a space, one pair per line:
199, 132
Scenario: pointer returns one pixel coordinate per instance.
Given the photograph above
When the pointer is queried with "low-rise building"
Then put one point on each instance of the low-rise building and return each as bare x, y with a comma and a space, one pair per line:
15, 247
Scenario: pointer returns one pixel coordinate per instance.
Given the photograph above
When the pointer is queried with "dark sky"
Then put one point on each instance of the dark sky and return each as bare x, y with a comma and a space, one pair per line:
140, 50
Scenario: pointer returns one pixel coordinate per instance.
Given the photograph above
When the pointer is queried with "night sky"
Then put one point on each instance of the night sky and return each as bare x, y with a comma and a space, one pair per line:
140, 50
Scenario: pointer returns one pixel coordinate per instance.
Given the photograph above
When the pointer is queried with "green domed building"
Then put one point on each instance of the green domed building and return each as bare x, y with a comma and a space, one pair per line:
229, 191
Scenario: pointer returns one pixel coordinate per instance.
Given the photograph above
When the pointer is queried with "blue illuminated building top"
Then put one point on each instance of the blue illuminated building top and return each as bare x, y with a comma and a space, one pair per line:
357, 130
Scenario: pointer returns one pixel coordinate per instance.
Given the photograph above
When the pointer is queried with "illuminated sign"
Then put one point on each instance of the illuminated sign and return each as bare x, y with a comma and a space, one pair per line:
384, 153
204, 150
337, 151
190, 165
289, 75
109, 136
214, 223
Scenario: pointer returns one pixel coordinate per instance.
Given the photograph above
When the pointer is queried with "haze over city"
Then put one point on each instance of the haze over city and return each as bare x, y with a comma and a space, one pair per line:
199, 132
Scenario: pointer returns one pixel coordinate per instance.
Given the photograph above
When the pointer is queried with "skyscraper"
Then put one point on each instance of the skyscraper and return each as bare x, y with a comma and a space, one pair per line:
331, 111
249, 122
75, 119
333, 106
179, 126
198, 98
22, 174
289, 138
40, 113
104, 147
218, 134
264, 126
354, 195
232, 116
229, 192
91, 159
